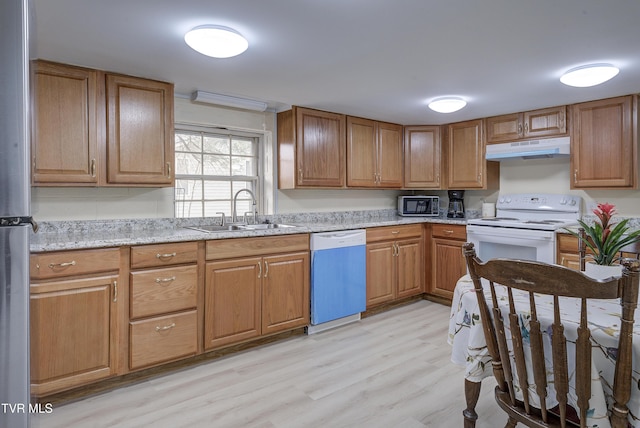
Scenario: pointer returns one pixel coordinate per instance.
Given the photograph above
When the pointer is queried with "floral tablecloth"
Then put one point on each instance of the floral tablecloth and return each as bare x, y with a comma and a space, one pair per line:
469, 347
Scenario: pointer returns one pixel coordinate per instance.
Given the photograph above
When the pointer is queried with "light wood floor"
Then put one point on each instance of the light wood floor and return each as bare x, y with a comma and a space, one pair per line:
388, 370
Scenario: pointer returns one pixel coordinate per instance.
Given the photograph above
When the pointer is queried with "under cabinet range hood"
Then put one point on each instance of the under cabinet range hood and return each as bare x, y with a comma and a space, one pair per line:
529, 149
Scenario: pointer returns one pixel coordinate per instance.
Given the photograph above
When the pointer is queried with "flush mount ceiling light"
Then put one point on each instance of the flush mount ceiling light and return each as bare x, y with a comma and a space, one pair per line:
589, 75
216, 41
447, 105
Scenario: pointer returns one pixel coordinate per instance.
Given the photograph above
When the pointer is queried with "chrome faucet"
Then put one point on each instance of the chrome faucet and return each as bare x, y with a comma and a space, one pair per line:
234, 216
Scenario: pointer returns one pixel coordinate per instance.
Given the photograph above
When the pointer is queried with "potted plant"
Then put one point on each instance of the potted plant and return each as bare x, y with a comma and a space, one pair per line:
605, 238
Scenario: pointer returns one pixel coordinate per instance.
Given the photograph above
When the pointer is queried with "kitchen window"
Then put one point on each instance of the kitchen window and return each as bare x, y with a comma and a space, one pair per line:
212, 165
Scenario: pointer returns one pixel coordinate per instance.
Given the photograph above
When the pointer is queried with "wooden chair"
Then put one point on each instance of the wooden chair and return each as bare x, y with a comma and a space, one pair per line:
628, 251
556, 281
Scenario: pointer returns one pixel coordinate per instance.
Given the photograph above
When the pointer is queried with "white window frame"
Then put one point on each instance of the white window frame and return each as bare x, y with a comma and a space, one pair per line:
259, 181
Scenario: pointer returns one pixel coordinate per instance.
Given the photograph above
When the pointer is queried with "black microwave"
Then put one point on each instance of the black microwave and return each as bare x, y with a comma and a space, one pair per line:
426, 206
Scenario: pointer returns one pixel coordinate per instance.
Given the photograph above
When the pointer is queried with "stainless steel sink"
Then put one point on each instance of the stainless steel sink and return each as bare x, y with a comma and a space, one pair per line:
264, 226
239, 227
216, 228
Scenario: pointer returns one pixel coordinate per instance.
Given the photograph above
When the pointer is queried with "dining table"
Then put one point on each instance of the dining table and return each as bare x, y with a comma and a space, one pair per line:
469, 349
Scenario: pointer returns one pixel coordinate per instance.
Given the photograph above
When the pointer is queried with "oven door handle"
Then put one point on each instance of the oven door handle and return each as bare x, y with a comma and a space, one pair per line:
504, 235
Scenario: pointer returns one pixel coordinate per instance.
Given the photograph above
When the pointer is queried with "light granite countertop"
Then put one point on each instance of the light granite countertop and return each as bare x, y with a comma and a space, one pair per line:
75, 235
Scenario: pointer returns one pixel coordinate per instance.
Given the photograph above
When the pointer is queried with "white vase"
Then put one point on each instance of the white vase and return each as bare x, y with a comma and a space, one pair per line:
602, 271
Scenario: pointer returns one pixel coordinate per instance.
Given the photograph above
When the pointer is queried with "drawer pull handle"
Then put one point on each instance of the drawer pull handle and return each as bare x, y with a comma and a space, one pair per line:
259, 270
115, 291
266, 268
164, 280
448, 232
165, 256
395, 232
61, 265
166, 327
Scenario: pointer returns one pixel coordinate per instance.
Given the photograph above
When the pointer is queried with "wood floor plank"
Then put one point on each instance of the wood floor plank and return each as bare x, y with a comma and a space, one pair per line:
391, 369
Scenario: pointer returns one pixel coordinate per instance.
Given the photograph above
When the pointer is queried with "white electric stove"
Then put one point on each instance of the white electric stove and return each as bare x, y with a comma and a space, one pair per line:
525, 226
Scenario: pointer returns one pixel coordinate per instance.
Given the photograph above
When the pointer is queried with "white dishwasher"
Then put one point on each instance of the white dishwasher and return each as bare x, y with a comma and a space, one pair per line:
338, 278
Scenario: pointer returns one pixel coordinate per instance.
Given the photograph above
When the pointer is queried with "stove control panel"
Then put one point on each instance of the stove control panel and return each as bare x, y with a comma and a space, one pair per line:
540, 202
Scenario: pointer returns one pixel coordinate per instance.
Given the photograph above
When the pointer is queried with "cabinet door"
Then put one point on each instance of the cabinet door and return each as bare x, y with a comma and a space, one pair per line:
422, 157
64, 145
603, 150
232, 301
381, 273
503, 128
466, 155
285, 292
409, 266
545, 122
320, 148
140, 146
73, 325
361, 152
389, 155
447, 267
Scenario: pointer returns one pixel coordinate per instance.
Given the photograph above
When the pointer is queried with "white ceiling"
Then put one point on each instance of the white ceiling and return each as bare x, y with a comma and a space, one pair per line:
380, 59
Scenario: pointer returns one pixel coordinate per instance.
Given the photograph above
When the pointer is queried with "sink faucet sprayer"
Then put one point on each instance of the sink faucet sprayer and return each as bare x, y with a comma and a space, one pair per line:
234, 216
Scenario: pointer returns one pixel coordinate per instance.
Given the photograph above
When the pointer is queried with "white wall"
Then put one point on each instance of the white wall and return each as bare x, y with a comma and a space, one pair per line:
553, 176
516, 176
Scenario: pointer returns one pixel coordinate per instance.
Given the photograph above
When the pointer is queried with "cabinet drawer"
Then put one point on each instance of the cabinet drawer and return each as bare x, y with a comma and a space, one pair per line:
449, 231
70, 263
164, 254
162, 339
248, 247
163, 290
388, 233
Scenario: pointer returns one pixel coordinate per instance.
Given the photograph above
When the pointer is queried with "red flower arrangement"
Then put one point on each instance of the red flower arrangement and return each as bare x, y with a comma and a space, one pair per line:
607, 238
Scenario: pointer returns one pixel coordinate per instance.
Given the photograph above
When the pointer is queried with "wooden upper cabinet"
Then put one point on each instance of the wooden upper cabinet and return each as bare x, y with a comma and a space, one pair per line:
547, 122
64, 146
466, 164
374, 153
92, 128
140, 147
604, 144
311, 149
422, 157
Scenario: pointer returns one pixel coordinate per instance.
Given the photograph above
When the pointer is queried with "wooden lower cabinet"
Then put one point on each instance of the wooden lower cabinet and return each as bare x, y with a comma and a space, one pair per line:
394, 263
163, 303
567, 251
73, 333
163, 338
248, 297
447, 261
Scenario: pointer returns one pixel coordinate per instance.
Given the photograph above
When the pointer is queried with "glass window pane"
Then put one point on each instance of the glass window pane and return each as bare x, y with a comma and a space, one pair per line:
189, 209
188, 163
216, 145
217, 190
188, 142
216, 165
244, 166
188, 189
243, 147
211, 208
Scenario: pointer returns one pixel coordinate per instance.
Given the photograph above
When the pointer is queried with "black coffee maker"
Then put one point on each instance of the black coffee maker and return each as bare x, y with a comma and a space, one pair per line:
456, 205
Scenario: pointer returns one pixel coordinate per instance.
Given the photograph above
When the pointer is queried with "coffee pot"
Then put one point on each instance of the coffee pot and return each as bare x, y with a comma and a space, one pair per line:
456, 204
